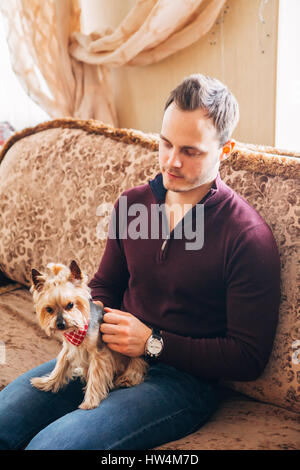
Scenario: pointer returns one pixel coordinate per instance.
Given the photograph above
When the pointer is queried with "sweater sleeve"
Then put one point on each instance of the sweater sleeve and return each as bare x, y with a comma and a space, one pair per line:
253, 295
111, 279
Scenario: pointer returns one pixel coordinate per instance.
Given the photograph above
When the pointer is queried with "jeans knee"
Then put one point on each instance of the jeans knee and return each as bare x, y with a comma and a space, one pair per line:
46, 440
62, 434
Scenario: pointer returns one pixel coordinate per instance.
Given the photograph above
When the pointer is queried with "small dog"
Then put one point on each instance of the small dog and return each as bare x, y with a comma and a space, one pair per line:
63, 305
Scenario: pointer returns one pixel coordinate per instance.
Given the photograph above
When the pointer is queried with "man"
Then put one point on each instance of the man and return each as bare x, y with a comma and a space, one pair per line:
199, 311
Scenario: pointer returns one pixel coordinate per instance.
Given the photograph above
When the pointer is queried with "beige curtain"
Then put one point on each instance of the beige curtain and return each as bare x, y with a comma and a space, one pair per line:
68, 73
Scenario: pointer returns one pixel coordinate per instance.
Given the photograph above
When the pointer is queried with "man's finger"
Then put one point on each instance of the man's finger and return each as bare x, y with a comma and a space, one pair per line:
109, 328
114, 339
115, 310
113, 317
110, 317
111, 339
116, 347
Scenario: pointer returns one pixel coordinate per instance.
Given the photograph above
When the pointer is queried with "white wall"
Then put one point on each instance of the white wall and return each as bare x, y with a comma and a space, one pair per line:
240, 50
288, 76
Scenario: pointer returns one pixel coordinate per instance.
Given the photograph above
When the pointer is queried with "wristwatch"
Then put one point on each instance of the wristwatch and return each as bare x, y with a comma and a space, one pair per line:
154, 344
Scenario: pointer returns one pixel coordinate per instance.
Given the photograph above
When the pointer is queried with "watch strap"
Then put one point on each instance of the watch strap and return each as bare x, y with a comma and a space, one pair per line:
156, 333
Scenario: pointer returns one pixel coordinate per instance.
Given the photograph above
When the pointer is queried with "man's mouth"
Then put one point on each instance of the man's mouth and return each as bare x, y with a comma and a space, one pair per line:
171, 175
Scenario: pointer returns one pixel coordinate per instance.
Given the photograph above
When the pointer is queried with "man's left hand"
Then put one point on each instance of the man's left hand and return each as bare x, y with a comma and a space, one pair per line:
124, 333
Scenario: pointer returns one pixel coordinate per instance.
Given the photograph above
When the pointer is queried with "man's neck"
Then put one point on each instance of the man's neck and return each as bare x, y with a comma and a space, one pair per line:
188, 197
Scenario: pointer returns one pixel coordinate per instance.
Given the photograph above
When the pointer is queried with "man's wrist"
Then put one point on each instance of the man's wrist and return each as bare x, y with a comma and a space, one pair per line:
154, 344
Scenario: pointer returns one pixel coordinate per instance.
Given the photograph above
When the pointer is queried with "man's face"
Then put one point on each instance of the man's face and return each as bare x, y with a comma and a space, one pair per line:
189, 151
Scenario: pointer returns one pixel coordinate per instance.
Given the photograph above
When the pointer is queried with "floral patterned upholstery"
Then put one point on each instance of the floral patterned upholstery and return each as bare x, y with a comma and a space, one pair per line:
54, 177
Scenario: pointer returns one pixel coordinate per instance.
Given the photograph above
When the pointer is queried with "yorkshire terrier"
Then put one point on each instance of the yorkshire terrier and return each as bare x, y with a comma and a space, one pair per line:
64, 306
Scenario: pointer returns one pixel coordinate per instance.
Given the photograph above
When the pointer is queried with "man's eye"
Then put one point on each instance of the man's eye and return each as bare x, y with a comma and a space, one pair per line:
165, 143
190, 153
69, 306
49, 309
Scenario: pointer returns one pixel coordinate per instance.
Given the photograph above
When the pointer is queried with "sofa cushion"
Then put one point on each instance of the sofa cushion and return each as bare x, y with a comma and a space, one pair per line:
52, 183
275, 195
55, 177
244, 424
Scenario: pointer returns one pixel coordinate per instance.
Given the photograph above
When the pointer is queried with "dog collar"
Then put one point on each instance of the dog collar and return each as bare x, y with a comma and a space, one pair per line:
76, 337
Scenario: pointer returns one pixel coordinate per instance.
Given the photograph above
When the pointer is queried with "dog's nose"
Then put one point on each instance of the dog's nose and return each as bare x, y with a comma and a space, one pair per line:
61, 324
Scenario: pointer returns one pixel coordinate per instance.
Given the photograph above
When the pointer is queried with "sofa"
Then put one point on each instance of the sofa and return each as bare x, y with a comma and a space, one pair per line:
55, 179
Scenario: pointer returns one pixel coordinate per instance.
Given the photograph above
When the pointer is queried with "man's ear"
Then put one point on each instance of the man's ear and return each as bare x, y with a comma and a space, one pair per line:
227, 149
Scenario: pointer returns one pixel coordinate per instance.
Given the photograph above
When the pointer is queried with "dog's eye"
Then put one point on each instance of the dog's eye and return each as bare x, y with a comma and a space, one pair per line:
49, 309
69, 306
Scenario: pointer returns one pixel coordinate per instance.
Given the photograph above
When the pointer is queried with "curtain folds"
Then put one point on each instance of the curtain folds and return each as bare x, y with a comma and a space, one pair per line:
68, 73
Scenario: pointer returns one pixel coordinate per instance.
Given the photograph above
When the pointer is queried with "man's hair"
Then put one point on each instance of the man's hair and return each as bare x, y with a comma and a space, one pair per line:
202, 92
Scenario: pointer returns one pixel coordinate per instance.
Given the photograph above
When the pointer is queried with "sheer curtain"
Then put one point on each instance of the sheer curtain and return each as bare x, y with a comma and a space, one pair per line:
15, 105
68, 72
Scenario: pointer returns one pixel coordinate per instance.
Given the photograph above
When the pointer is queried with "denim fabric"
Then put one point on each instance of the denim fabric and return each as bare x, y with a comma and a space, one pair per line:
168, 405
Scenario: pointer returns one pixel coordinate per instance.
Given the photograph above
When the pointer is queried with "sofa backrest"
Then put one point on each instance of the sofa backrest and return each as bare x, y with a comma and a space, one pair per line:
56, 178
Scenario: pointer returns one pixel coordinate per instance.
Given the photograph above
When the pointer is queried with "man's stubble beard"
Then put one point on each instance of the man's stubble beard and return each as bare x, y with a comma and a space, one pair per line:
200, 181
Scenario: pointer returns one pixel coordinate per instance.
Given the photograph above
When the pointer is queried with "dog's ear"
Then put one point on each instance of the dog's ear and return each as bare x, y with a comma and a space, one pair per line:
76, 274
37, 279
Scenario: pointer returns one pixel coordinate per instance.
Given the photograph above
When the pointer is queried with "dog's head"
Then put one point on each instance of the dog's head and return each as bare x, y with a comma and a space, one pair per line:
61, 298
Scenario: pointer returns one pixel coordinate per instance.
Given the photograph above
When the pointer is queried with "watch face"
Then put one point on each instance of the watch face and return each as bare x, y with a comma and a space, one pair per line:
154, 346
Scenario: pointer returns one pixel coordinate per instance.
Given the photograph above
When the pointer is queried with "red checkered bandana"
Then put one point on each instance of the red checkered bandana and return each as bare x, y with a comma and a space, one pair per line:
76, 337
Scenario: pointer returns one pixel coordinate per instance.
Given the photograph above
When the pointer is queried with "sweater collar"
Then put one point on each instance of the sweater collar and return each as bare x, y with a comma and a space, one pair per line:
218, 192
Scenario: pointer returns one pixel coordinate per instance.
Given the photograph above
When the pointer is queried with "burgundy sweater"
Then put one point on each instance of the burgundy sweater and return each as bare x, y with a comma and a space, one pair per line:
217, 306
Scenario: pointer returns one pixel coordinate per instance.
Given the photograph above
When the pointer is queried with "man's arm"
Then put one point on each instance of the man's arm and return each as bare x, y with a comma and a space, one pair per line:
253, 297
111, 279
122, 331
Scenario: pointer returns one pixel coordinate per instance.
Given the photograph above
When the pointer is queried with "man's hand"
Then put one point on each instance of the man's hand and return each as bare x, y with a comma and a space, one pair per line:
124, 333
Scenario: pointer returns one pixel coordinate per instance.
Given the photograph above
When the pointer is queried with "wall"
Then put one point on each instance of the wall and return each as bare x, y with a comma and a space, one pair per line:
240, 50
288, 76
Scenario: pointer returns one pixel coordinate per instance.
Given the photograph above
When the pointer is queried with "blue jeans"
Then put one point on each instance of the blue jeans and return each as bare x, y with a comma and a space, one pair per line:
168, 405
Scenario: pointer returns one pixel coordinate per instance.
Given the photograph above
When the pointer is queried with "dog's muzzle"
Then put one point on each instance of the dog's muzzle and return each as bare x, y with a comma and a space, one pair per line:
60, 323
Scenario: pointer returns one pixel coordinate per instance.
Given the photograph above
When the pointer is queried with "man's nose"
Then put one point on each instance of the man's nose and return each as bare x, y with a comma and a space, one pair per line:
174, 159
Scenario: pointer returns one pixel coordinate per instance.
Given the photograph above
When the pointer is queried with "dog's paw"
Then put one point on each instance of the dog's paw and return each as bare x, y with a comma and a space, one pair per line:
45, 384
123, 382
93, 401
88, 405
